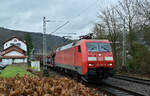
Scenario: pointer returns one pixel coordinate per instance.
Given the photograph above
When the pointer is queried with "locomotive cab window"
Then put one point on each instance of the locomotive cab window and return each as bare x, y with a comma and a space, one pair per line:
98, 47
79, 48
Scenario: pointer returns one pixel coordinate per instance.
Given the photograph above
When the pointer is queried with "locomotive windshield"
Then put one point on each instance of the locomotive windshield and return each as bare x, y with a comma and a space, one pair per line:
98, 47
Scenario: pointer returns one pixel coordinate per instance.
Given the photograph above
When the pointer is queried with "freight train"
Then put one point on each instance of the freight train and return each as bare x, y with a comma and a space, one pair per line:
90, 59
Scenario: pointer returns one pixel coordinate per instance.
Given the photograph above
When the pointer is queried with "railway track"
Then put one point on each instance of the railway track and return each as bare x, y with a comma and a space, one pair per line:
132, 79
114, 90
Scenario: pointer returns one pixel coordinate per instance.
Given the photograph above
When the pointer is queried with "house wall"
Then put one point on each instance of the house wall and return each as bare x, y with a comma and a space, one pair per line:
7, 61
14, 53
11, 61
16, 42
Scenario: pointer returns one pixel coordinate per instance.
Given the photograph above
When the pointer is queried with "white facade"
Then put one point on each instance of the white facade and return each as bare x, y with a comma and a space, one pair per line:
14, 53
11, 61
16, 60
17, 42
7, 61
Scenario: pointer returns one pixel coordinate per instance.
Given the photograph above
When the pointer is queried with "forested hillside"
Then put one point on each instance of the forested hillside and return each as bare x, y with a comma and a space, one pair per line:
52, 41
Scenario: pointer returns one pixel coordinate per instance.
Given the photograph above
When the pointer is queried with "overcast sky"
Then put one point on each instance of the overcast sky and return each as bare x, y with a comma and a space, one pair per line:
27, 15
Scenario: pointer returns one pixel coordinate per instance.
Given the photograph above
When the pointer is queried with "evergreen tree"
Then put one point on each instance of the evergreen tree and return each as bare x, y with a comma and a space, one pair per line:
29, 44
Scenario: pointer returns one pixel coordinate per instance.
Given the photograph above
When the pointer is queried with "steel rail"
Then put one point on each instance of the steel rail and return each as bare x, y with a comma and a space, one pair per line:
118, 91
132, 79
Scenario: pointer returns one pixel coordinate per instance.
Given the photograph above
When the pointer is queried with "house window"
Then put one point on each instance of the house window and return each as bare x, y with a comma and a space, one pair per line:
15, 40
12, 44
18, 44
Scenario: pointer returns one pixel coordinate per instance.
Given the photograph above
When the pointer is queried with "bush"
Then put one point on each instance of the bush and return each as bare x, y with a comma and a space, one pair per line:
145, 68
140, 62
46, 86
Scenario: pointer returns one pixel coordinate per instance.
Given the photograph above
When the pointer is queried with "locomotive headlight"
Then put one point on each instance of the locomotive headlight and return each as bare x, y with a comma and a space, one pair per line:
110, 64
90, 65
91, 58
108, 58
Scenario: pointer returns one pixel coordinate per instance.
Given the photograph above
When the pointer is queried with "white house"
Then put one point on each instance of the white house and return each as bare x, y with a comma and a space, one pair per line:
14, 51
15, 41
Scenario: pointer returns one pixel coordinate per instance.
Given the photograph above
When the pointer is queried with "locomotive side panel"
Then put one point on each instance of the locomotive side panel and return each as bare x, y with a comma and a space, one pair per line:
69, 57
84, 58
78, 60
59, 57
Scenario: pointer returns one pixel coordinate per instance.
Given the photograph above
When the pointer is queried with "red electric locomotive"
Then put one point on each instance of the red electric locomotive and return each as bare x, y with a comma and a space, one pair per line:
91, 59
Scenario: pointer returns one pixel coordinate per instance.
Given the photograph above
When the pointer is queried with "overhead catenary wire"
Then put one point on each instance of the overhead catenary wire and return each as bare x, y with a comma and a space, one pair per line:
86, 10
71, 21
83, 12
78, 15
60, 27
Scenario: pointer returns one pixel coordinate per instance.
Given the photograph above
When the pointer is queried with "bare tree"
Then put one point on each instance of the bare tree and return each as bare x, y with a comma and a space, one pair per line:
144, 10
99, 31
127, 12
109, 28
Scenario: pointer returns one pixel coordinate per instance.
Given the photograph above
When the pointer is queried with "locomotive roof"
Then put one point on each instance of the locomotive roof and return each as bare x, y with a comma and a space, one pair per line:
102, 40
76, 43
93, 40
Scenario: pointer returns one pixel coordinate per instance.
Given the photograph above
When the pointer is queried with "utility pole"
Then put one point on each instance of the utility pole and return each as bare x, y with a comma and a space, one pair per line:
124, 48
44, 44
44, 40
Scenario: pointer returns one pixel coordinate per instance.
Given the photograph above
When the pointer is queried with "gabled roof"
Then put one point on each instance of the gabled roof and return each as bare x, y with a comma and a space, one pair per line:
13, 48
13, 38
14, 57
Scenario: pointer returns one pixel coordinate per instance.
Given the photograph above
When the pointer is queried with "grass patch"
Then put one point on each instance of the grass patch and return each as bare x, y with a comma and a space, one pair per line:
12, 71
